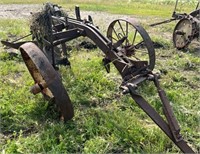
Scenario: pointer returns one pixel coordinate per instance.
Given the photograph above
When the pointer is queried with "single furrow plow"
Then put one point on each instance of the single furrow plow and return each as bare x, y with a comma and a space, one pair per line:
127, 46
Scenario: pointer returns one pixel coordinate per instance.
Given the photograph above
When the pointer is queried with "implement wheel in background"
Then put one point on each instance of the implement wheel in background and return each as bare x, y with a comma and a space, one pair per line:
183, 33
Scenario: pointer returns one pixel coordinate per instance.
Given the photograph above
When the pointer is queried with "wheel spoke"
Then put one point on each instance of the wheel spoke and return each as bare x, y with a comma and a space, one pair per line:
115, 33
121, 27
141, 51
137, 46
114, 38
134, 37
127, 42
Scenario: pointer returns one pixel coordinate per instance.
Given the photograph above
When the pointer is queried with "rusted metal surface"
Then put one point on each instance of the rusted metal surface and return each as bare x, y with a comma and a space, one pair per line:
187, 29
127, 46
38, 87
169, 126
46, 78
164, 126
13, 44
132, 40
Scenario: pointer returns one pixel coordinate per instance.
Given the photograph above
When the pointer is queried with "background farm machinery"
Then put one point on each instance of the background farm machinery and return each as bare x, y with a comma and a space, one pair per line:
187, 28
127, 46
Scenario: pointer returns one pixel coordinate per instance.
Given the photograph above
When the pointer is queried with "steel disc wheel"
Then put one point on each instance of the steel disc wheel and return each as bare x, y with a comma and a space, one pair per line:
183, 33
47, 80
136, 42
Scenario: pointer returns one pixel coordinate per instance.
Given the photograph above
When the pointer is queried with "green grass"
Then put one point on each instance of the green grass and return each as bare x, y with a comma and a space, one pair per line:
162, 8
105, 120
13, 29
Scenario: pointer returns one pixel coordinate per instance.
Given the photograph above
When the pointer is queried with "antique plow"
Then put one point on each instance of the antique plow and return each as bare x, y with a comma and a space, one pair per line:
127, 46
187, 29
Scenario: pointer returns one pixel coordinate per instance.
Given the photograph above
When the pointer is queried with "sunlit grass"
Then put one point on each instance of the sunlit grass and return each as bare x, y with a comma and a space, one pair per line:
162, 8
105, 120
13, 29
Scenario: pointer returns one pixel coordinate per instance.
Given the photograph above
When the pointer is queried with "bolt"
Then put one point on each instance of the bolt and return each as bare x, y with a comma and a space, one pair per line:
38, 87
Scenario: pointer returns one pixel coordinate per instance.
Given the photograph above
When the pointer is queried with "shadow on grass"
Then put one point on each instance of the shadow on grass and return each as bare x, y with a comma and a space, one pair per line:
10, 55
41, 114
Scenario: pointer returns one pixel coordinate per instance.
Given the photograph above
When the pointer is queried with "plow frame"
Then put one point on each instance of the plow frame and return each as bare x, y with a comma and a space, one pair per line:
133, 72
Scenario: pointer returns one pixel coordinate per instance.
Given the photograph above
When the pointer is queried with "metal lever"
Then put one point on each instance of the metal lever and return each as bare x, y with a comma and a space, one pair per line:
174, 13
77, 12
90, 19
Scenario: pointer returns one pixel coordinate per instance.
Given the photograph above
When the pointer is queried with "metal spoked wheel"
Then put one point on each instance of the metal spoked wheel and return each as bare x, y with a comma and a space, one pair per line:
136, 42
47, 80
183, 33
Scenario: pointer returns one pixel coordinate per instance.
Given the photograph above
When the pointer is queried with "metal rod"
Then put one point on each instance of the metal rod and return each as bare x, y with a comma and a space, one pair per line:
134, 37
175, 8
127, 42
197, 6
121, 27
21, 38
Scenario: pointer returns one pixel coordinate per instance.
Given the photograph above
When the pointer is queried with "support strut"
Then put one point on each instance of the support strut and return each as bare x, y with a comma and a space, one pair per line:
171, 127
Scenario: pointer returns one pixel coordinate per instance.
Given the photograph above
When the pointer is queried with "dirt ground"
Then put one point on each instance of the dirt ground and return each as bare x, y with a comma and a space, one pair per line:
25, 11
14, 11
101, 19
19, 11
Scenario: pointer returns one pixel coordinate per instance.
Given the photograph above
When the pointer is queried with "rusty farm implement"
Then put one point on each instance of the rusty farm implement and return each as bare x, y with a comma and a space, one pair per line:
127, 46
187, 28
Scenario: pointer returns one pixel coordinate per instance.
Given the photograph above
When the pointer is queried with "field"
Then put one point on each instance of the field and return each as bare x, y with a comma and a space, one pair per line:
106, 121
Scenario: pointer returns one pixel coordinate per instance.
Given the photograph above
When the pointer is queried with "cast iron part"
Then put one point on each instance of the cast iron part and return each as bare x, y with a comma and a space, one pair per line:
46, 78
187, 29
127, 45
